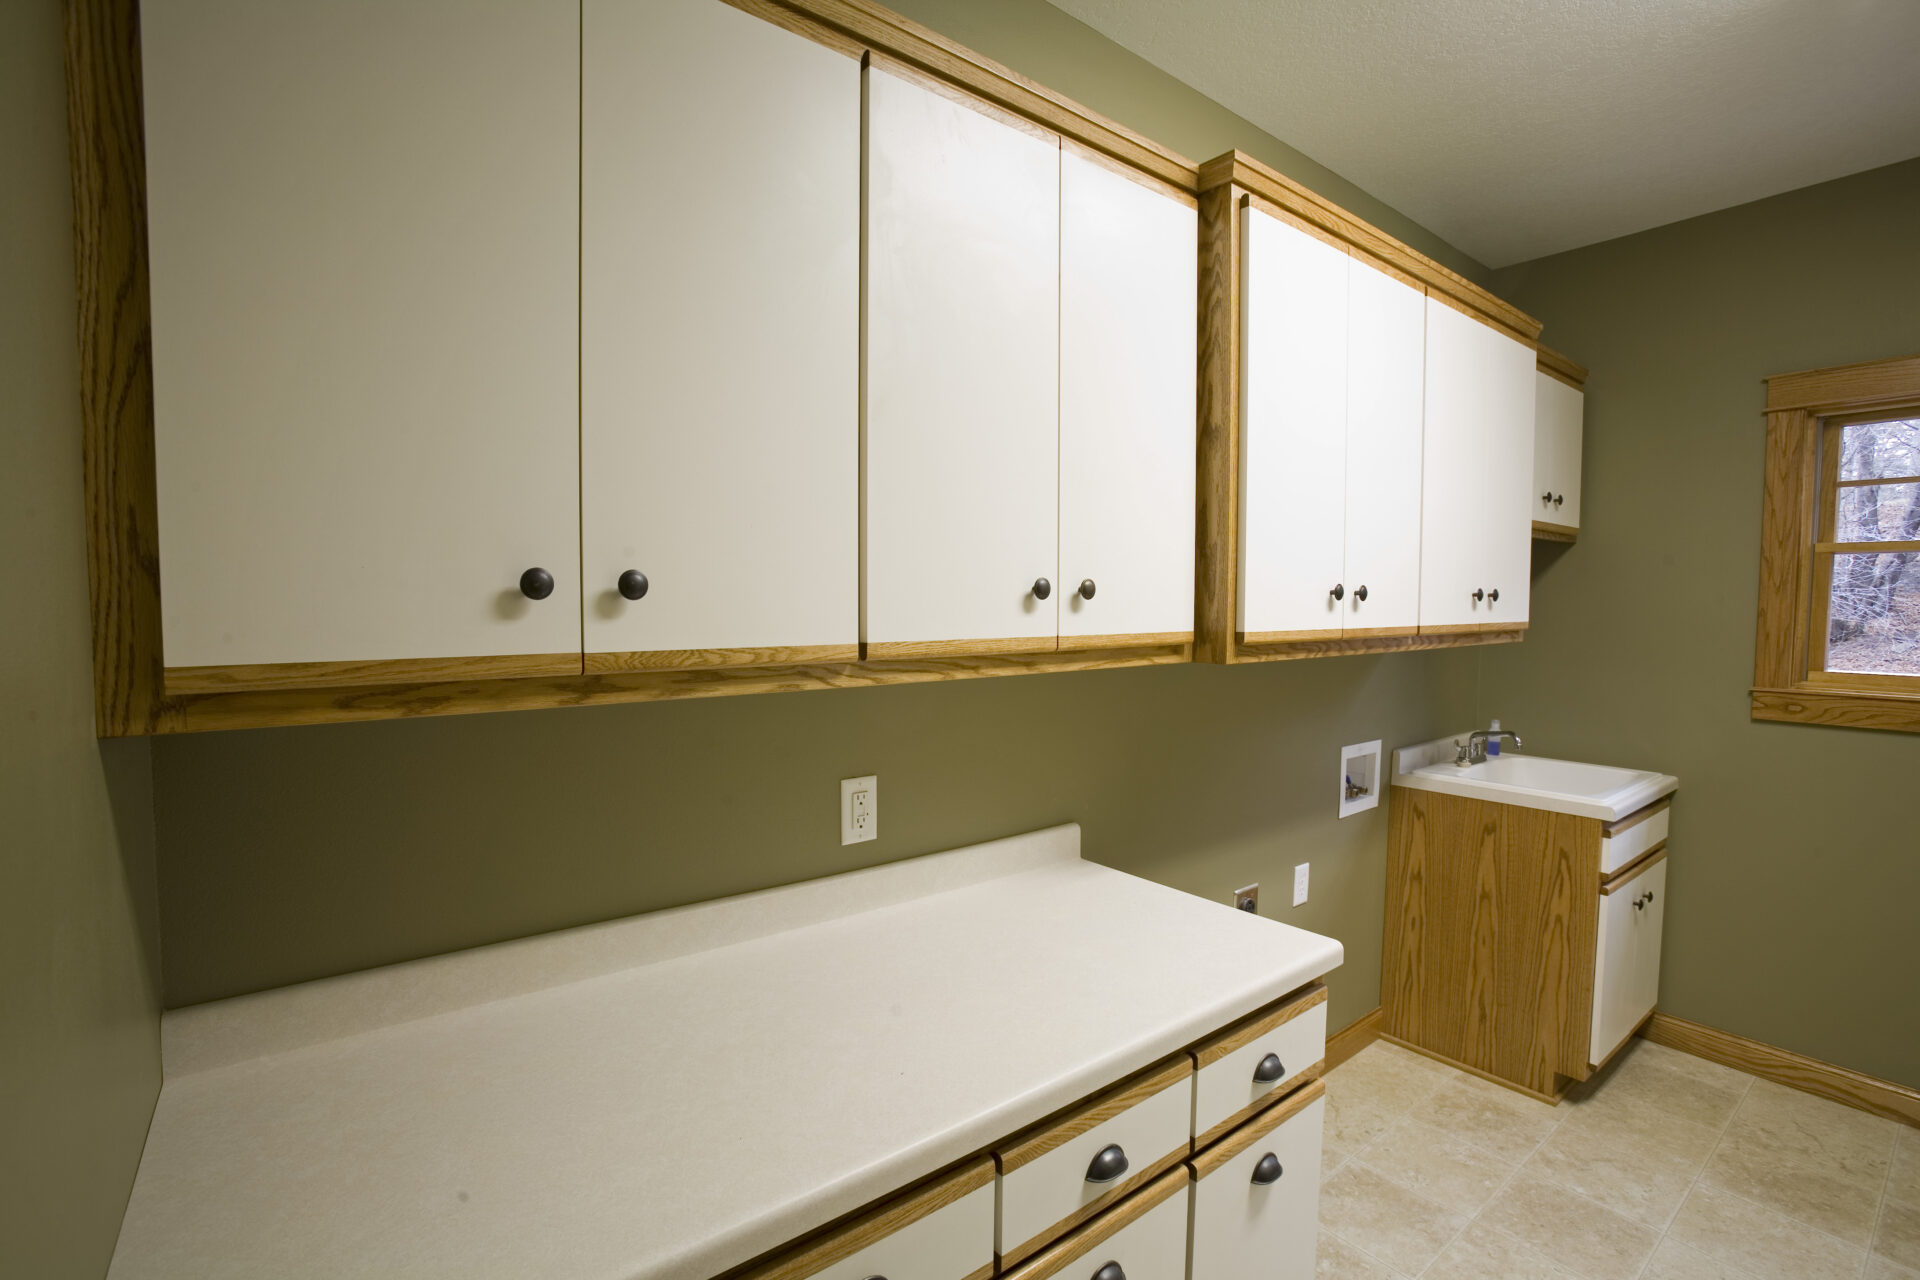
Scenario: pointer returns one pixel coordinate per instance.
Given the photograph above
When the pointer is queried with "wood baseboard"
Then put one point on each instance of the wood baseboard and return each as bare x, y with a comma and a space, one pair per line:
1354, 1037
1783, 1066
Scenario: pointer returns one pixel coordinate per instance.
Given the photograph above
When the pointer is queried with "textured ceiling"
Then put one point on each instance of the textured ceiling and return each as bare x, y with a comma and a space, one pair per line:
1517, 128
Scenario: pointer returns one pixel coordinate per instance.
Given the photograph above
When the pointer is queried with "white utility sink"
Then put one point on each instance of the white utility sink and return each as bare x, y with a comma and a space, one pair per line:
1534, 782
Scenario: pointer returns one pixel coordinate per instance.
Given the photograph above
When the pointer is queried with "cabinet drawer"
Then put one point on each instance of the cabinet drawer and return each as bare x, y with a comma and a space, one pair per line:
1626, 958
1235, 1077
1049, 1182
1632, 836
1260, 1217
942, 1231
1146, 1236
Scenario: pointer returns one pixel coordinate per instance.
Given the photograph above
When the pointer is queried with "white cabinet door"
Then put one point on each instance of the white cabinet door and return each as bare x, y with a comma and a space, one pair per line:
1558, 411
1476, 518
720, 338
1293, 433
962, 376
1626, 961
1255, 1222
1386, 354
1508, 411
1128, 266
363, 222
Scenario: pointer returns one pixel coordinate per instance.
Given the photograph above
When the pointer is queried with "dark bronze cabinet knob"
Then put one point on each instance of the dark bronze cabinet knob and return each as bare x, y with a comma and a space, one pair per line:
1042, 588
1493, 596
633, 584
1478, 595
1558, 498
1339, 591
1086, 588
1360, 593
1547, 496
536, 584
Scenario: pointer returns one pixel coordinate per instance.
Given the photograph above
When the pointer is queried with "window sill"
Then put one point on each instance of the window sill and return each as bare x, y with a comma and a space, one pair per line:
1846, 708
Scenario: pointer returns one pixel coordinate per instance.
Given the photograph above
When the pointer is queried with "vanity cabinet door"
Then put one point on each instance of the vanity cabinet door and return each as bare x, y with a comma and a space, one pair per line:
1293, 433
1626, 963
1256, 1196
363, 223
962, 377
1558, 410
720, 341
1128, 261
1386, 339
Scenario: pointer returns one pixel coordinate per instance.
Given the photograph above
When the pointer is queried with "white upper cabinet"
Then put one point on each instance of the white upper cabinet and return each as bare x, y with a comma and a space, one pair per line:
1128, 263
1293, 438
1558, 414
962, 376
1386, 354
363, 223
719, 338
1476, 525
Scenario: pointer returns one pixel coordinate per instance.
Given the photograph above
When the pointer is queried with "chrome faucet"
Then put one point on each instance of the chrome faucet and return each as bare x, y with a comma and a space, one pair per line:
1474, 749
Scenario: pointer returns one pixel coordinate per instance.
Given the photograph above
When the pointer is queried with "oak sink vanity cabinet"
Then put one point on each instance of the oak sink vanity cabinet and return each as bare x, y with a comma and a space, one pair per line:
1525, 902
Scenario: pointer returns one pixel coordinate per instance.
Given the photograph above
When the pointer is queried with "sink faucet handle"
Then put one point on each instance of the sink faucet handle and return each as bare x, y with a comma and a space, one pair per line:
1461, 755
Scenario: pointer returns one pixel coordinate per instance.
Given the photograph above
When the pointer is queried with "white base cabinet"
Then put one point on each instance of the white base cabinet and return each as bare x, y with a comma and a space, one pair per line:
1626, 962
1256, 1214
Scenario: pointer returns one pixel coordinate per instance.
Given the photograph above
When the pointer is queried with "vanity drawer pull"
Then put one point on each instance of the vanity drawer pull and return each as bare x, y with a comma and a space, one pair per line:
1267, 1171
1111, 1271
1109, 1164
1243, 1068
1245, 1219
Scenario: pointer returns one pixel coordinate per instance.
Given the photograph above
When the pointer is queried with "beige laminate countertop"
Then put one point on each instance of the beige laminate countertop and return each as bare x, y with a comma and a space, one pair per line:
671, 1095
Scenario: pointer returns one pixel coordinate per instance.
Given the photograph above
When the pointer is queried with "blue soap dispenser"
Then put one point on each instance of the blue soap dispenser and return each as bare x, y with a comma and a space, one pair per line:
1493, 739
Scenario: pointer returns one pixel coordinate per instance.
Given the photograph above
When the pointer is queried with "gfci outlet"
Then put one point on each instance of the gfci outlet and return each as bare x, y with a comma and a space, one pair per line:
1300, 885
859, 809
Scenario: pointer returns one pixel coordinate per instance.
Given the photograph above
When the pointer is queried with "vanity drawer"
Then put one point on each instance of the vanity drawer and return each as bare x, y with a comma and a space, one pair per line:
1145, 1237
1626, 957
1256, 1195
1060, 1173
1623, 841
1244, 1067
940, 1231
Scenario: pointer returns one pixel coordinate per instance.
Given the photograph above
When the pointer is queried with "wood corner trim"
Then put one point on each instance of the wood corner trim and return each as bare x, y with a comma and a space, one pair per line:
1564, 368
1783, 1066
1545, 532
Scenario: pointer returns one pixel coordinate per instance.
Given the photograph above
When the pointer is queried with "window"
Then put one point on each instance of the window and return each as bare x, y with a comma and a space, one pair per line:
1838, 640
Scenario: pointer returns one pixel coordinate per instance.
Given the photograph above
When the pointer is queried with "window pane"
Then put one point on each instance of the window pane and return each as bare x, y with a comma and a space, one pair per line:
1874, 614
1878, 513
1869, 449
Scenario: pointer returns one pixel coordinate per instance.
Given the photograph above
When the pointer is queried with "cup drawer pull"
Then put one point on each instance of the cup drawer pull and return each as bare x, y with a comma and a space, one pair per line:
1111, 1271
1108, 1165
1269, 1070
1268, 1171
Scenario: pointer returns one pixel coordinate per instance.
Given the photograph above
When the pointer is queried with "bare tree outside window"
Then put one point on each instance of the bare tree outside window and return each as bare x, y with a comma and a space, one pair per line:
1873, 614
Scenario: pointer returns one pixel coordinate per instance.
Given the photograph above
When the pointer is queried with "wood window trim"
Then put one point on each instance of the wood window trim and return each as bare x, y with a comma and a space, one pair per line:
1796, 523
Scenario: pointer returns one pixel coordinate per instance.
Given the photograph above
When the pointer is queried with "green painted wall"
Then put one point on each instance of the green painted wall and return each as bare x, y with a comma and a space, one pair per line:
1796, 850
79, 998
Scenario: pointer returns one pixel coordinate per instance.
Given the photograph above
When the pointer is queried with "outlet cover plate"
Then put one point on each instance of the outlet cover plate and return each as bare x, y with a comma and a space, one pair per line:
859, 809
1300, 885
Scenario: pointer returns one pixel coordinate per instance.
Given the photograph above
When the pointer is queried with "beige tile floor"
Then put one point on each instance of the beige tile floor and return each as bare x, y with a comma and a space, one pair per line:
1664, 1167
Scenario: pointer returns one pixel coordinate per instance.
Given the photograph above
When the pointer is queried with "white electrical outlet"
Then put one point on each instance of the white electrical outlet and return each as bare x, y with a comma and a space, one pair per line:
859, 809
1300, 885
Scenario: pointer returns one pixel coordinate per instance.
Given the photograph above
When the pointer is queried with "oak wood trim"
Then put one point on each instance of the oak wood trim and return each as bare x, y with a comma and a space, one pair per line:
1350, 646
1270, 1118
1377, 633
790, 19
1546, 532
1073, 1248
884, 650
1472, 628
1808, 704
1312, 1071
682, 659
1634, 819
1873, 482
1236, 168
1561, 367
882, 31
1610, 885
197, 713
840, 1242
328, 675
1071, 644
1863, 682
1094, 1208
1846, 387
1032, 1143
1256, 1024
105, 132
1216, 576
1347, 1042
1783, 1066
1864, 548
1288, 637
1550, 1096
1786, 533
